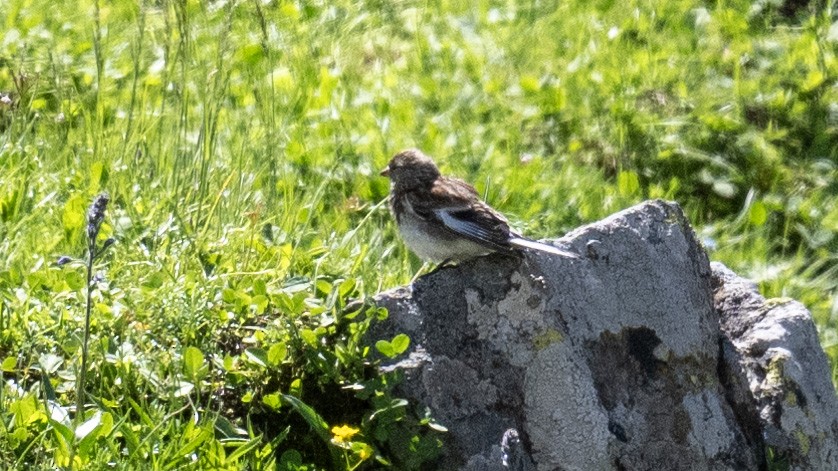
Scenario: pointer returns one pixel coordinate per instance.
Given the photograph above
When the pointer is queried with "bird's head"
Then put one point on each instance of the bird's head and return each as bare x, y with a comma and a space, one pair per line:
411, 169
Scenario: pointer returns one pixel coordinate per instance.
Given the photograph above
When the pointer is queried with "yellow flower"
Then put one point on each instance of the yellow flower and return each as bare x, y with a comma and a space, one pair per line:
364, 451
344, 433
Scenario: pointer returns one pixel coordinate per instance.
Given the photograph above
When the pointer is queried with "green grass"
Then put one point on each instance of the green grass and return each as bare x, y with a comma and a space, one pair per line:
240, 144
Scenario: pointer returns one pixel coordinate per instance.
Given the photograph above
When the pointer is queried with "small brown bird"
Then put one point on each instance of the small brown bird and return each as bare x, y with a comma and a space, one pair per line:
443, 219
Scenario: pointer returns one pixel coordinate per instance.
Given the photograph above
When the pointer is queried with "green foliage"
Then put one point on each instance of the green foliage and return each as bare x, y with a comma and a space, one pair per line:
395, 347
240, 143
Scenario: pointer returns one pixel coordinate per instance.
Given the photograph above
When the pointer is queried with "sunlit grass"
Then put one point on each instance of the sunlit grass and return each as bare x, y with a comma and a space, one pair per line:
241, 141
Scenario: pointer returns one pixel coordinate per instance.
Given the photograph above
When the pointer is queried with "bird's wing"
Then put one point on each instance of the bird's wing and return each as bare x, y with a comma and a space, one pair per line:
455, 205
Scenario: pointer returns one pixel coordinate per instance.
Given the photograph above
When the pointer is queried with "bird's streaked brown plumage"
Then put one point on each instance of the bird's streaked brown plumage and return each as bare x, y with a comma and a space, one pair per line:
442, 218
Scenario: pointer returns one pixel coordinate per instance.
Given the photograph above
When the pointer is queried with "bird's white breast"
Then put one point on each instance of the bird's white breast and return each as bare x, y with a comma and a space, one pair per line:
434, 243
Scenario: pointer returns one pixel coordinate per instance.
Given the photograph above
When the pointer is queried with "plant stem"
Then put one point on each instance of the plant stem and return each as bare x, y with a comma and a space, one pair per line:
85, 337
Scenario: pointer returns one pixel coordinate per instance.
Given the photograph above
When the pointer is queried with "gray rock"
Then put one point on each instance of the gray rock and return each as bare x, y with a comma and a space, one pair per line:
775, 343
615, 360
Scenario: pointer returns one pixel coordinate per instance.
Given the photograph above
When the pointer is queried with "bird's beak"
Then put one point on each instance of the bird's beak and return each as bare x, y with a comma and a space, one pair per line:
385, 172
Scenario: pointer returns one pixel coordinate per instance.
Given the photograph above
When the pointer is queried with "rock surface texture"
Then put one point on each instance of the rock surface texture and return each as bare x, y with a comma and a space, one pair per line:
638, 355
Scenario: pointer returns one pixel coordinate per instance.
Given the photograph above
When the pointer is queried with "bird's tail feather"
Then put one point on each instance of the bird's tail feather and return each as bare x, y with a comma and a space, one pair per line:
523, 243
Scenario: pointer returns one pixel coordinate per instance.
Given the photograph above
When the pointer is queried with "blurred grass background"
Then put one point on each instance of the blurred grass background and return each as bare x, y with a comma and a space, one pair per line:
240, 142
